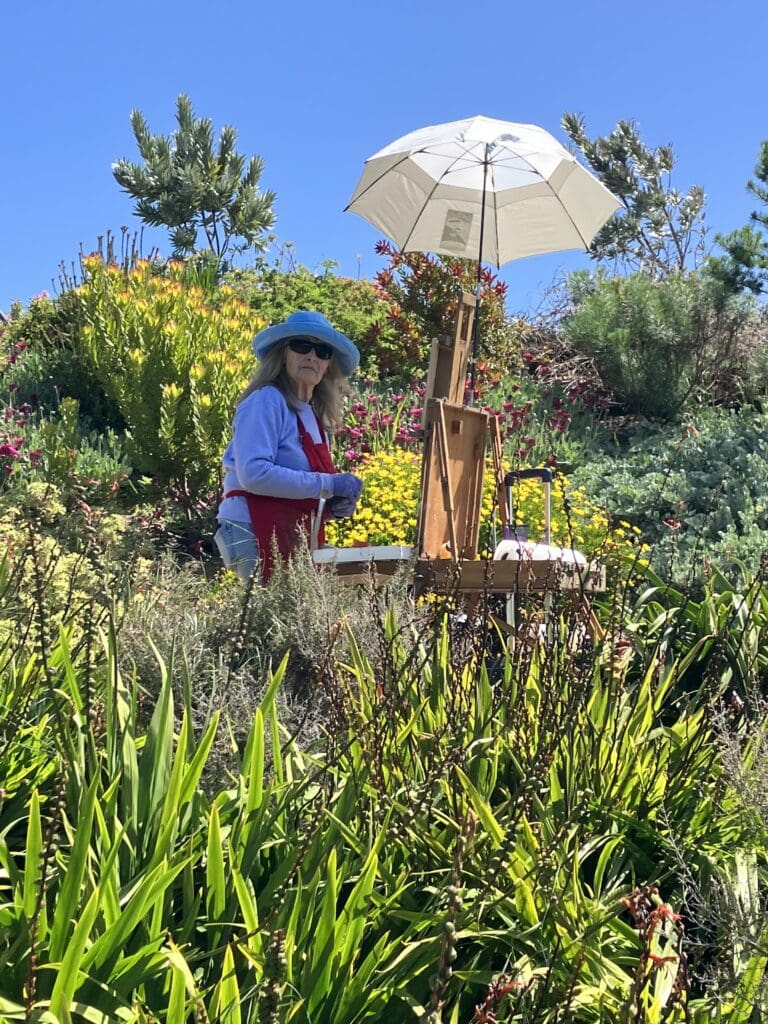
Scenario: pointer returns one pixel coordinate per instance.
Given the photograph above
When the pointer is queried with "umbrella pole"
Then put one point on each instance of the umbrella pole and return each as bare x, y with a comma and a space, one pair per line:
476, 324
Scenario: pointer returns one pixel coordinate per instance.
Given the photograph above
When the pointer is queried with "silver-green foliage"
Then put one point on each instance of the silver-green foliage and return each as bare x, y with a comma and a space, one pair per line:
189, 184
698, 493
660, 229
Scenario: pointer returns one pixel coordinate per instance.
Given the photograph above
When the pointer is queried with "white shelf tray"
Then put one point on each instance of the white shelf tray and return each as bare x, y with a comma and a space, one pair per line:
376, 553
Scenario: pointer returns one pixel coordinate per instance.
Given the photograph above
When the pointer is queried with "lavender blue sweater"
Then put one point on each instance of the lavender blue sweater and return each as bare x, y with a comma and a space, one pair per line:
265, 454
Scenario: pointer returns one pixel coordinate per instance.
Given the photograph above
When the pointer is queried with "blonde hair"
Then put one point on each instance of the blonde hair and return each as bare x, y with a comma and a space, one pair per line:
327, 397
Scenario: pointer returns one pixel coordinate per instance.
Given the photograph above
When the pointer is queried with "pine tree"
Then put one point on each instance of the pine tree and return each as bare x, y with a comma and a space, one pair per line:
660, 230
744, 267
188, 185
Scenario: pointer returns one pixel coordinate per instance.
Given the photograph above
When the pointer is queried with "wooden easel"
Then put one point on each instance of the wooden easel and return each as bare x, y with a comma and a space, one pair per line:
456, 439
455, 443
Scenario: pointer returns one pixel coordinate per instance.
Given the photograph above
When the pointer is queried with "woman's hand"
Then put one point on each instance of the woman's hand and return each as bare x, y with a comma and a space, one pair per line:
346, 491
341, 508
346, 485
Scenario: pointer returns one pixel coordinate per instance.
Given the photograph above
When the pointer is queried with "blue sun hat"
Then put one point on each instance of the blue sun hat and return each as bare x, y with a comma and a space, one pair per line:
305, 324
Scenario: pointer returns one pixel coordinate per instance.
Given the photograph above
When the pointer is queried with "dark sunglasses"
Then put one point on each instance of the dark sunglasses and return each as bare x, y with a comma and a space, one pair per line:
304, 345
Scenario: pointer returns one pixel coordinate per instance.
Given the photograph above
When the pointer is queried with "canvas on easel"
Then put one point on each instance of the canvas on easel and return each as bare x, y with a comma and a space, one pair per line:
451, 480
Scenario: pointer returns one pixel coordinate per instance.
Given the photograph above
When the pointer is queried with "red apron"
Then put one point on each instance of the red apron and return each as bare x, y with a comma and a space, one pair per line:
281, 519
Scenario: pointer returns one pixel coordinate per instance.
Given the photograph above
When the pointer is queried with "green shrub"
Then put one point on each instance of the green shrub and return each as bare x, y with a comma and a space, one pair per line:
657, 345
697, 493
354, 307
42, 365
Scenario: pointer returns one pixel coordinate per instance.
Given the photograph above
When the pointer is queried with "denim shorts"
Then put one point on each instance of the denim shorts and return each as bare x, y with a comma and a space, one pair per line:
238, 547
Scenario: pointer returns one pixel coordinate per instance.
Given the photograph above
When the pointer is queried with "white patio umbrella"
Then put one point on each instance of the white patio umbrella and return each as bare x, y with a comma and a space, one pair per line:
482, 189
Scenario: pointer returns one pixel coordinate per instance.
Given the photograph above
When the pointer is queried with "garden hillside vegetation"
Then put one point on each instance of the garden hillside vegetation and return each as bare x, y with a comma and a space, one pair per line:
319, 803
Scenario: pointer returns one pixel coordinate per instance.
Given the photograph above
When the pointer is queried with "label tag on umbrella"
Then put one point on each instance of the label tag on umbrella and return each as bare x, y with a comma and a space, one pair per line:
456, 230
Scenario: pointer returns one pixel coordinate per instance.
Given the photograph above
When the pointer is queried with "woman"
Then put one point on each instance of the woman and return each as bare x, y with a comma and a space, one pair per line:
278, 464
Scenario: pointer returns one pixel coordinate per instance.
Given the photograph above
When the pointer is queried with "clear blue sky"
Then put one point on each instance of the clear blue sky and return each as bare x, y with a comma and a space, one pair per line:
315, 88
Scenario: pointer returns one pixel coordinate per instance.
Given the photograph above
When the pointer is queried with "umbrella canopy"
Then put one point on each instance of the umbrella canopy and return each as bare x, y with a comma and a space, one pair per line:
482, 189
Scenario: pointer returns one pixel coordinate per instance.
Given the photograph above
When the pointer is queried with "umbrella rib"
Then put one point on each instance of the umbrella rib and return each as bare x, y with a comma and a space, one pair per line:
565, 209
438, 181
376, 180
495, 217
402, 160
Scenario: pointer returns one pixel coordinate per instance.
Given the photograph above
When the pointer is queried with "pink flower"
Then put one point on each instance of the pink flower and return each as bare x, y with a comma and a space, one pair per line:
9, 451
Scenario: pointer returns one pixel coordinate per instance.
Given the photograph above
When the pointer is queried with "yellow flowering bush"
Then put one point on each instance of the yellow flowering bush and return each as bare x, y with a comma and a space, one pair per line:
171, 361
388, 506
386, 513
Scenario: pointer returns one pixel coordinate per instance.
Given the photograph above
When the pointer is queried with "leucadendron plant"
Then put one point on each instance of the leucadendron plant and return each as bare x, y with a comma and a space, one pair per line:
170, 359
